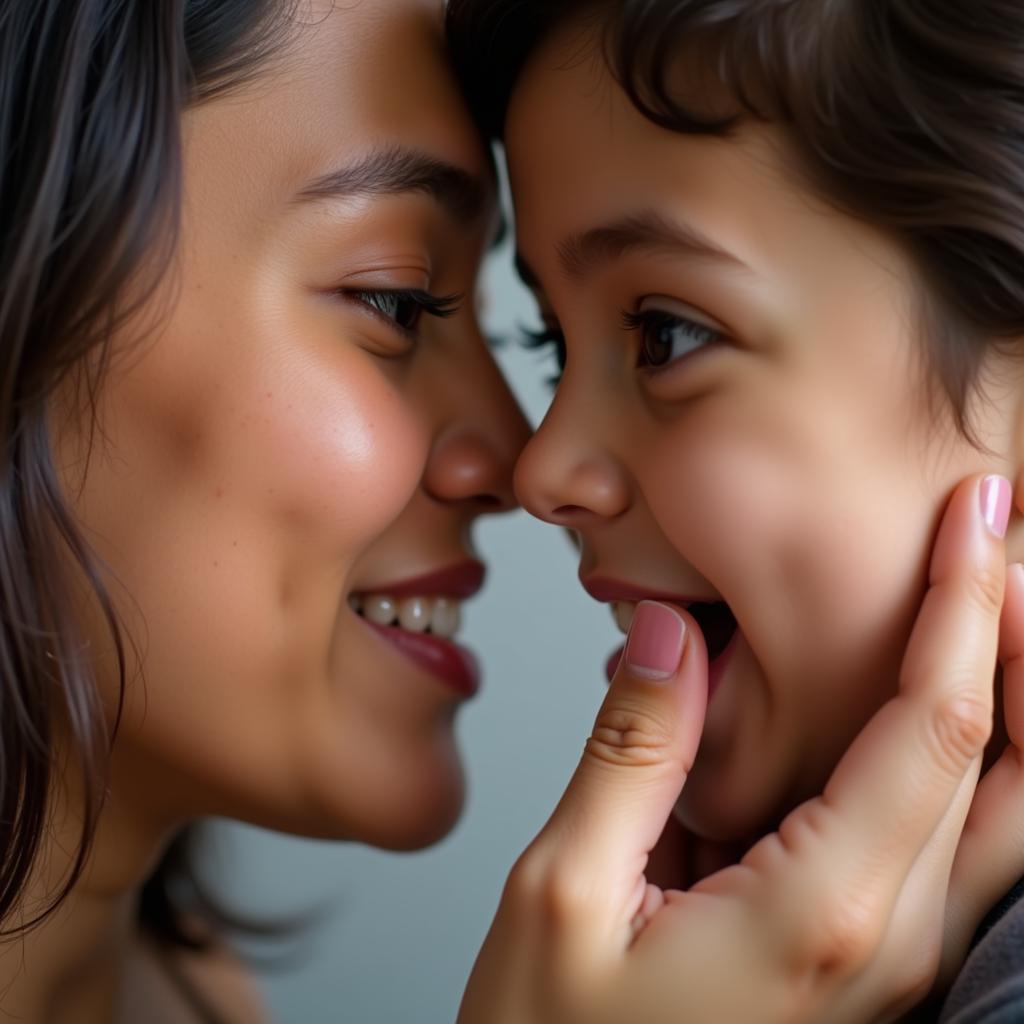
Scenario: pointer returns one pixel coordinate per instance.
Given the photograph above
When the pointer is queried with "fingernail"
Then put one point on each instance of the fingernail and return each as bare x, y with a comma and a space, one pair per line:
995, 504
655, 644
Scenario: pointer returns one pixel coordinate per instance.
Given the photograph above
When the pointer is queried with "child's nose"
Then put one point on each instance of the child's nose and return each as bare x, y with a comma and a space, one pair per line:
562, 479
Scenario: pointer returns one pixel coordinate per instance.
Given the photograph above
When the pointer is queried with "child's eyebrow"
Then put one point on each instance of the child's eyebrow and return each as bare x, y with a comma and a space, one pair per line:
583, 254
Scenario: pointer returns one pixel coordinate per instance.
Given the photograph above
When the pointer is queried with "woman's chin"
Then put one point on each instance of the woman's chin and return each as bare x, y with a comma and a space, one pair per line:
416, 811
404, 802
409, 836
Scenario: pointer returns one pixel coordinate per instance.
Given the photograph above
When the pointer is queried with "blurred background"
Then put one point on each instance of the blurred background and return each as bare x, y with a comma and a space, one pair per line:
400, 931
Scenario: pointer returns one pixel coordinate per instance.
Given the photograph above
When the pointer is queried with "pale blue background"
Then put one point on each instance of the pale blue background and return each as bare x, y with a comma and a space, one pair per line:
402, 931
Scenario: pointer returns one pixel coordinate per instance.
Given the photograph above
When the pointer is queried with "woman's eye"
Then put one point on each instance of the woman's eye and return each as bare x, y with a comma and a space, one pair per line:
405, 308
666, 337
553, 338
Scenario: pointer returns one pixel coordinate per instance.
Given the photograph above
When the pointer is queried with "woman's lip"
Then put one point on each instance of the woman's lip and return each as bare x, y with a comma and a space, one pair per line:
455, 666
460, 581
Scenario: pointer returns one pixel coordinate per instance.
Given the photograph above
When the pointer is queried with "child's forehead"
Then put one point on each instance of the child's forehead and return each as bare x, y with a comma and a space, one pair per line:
607, 182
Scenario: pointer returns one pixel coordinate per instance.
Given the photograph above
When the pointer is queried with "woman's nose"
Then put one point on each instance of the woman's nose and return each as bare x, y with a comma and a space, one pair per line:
564, 477
479, 434
467, 466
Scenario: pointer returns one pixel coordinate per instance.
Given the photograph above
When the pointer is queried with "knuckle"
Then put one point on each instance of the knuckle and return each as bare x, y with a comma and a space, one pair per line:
847, 934
564, 897
630, 736
526, 879
807, 826
538, 885
959, 728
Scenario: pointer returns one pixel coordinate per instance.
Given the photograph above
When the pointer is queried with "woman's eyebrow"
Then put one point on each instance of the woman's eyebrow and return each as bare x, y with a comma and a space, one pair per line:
395, 170
583, 254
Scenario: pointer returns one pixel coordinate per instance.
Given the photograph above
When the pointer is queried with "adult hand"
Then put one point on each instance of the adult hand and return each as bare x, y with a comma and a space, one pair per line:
838, 916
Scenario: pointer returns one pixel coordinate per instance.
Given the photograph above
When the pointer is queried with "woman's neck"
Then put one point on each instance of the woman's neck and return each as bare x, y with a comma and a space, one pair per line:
69, 968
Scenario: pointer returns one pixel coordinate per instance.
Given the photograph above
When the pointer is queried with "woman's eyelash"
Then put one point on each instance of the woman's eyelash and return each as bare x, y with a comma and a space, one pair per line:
543, 337
403, 308
547, 337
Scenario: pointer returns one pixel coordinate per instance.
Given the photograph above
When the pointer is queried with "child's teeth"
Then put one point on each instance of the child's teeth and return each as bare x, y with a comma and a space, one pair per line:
447, 618
415, 613
379, 609
623, 611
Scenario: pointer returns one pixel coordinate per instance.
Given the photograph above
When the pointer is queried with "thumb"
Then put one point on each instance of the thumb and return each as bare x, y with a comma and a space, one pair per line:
637, 758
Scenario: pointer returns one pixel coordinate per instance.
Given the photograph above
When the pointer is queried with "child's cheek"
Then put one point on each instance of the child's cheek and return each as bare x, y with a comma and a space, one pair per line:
817, 557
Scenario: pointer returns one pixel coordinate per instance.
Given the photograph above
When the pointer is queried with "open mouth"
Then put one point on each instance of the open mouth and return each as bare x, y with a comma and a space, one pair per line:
420, 618
423, 629
715, 618
432, 616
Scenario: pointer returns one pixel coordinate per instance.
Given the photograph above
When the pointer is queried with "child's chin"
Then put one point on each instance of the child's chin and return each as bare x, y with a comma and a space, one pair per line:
723, 818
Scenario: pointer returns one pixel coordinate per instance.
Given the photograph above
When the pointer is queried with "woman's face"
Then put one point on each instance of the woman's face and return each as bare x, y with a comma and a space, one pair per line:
742, 422
304, 444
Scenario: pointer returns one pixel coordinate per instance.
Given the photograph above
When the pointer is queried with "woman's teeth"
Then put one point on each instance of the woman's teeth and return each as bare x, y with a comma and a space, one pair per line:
440, 616
623, 612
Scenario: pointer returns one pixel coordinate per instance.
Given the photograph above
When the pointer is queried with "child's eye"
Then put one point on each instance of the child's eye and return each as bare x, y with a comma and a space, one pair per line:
549, 337
667, 336
404, 308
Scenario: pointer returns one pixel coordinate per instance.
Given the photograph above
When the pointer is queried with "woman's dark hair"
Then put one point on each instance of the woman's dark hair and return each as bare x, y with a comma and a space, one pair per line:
908, 115
91, 97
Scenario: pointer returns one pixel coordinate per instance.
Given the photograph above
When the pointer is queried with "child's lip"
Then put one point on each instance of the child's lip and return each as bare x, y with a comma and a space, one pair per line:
716, 669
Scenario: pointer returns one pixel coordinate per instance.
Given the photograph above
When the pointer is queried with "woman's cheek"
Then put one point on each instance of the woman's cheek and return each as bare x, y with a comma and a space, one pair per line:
345, 451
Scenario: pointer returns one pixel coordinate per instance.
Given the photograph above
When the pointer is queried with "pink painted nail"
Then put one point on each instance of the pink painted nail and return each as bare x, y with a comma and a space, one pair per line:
655, 644
996, 496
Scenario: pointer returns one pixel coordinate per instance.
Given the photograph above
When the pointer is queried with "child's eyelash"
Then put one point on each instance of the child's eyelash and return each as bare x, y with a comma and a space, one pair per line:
403, 308
657, 318
660, 334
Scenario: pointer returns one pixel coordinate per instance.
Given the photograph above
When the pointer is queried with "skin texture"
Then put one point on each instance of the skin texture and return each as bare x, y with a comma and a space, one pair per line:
271, 446
791, 464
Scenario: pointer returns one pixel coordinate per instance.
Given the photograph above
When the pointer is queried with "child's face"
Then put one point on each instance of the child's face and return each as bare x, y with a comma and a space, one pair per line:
774, 449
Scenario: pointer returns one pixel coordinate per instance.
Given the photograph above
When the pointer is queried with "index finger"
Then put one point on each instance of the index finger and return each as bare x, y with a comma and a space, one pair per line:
899, 777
